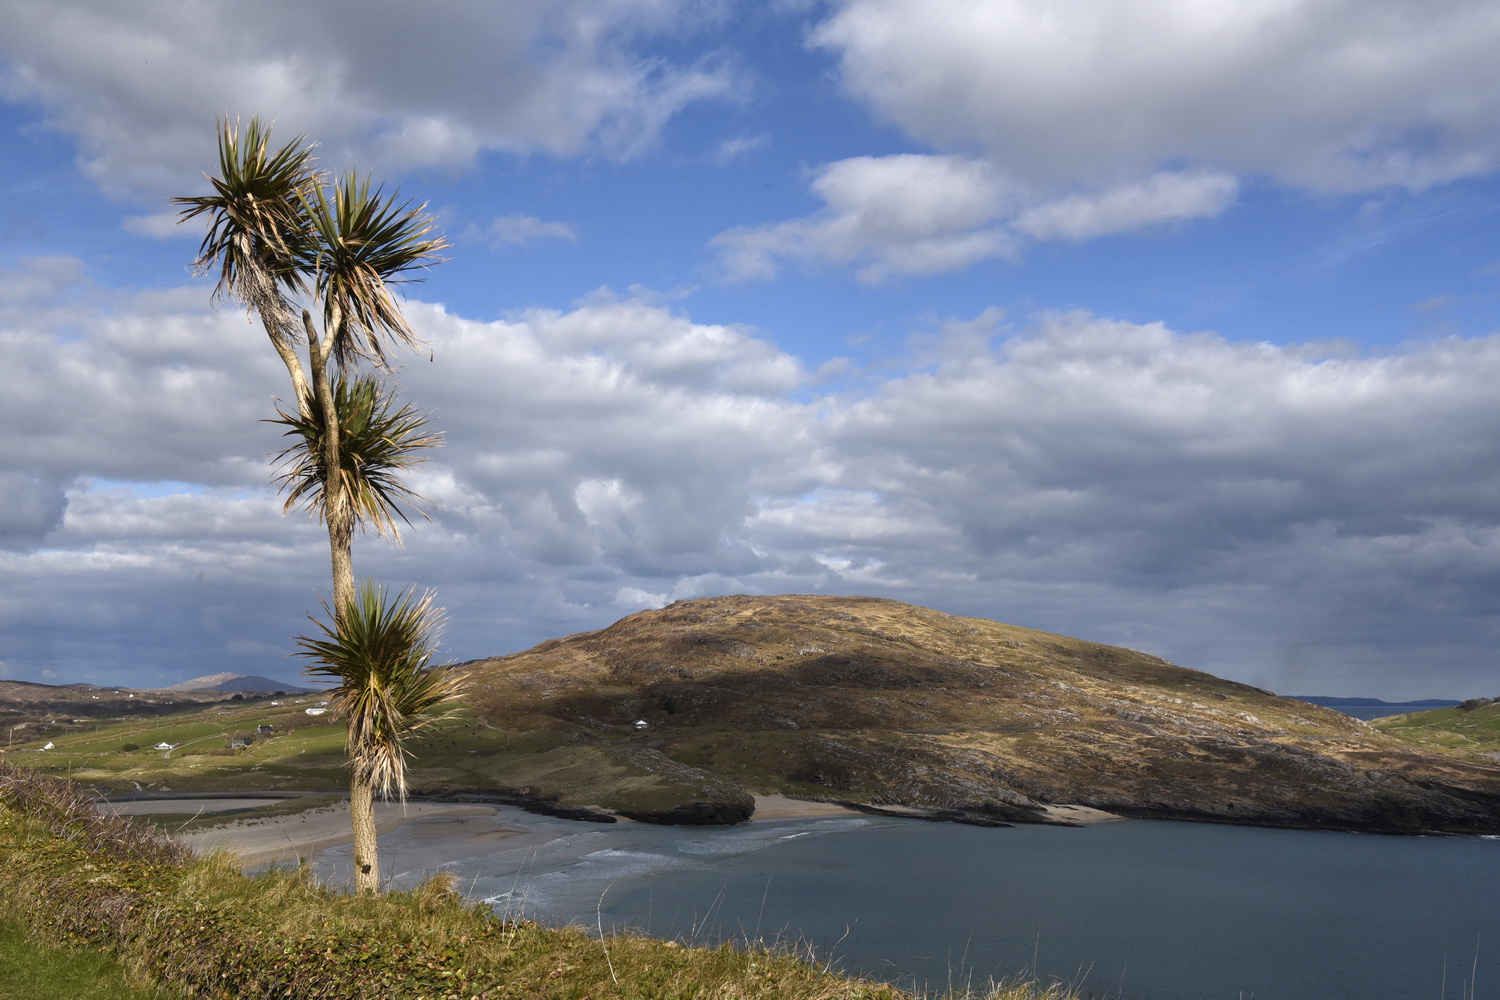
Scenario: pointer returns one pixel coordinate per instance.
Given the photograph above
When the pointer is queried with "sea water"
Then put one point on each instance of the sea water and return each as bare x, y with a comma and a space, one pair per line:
1155, 910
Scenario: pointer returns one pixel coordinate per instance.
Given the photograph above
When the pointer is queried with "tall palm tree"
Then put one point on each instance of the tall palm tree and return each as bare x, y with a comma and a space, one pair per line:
279, 234
377, 442
380, 650
282, 239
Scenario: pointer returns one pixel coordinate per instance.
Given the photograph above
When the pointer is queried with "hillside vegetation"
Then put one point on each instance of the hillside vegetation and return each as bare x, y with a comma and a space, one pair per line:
881, 703
1471, 729
684, 714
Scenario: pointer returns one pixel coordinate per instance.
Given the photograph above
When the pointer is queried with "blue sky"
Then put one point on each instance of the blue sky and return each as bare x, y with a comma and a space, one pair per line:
1164, 324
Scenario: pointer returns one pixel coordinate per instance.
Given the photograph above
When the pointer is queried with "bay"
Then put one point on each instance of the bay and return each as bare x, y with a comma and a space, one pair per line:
1154, 910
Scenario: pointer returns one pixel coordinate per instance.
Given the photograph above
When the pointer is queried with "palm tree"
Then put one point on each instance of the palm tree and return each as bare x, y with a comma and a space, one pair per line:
380, 650
282, 238
279, 233
376, 443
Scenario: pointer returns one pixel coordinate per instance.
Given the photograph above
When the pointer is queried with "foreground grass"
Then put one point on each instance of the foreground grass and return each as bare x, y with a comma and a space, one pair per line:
31, 971
199, 928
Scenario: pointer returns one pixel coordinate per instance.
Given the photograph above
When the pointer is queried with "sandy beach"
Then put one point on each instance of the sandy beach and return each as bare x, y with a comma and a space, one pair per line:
300, 835
781, 807
303, 834
463, 828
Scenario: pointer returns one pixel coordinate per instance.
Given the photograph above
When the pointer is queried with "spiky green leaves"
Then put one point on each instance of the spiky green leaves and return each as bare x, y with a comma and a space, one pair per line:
366, 241
258, 235
377, 442
380, 650
276, 227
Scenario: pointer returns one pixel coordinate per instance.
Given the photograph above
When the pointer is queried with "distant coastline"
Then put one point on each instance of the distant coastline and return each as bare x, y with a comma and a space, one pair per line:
1373, 708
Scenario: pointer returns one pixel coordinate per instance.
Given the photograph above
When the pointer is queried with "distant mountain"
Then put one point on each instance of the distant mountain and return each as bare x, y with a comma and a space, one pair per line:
1328, 701
234, 683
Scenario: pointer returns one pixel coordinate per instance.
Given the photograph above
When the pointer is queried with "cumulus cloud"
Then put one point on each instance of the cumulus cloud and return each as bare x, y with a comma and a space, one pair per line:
1239, 507
1330, 95
518, 230
893, 215
1162, 197
385, 85
1086, 119
915, 214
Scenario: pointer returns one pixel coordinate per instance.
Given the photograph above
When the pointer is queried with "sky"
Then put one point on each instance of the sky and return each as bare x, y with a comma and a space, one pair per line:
1170, 324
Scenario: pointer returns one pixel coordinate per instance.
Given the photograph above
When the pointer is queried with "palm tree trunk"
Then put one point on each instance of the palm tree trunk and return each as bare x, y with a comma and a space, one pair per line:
293, 366
337, 512
362, 814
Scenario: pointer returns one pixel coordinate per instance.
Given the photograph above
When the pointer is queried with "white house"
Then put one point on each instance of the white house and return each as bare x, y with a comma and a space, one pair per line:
315, 711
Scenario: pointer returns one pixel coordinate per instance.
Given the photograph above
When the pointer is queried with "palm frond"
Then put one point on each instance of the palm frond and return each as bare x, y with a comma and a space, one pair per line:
257, 234
377, 442
367, 241
380, 651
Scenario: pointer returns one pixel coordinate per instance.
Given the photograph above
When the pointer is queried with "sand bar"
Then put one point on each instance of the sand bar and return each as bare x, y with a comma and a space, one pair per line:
152, 807
300, 835
1080, 815
781, 807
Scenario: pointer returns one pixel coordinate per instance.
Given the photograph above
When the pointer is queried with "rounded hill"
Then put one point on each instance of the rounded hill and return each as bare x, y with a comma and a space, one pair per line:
684, 713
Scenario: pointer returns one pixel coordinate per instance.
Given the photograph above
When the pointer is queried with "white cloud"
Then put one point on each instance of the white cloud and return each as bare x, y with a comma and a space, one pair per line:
891, 215
730, 150
384, 85
1217, 502
911, 214
1162, 197
157, 226
1078, 119
518, 230
1325, 94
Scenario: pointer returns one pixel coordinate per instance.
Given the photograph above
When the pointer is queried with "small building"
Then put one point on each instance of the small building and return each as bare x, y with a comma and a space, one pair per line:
315, 711
640, 724
164, 746
264, 730
48, 746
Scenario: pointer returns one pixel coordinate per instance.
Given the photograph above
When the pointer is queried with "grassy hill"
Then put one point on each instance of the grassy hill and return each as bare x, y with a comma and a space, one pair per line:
1471, 729
682, 714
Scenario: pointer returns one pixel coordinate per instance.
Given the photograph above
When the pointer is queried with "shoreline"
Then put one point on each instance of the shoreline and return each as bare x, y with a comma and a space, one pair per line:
301, 835
298, 836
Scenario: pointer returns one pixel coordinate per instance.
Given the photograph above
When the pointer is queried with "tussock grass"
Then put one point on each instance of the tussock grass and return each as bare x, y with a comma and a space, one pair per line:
199, 928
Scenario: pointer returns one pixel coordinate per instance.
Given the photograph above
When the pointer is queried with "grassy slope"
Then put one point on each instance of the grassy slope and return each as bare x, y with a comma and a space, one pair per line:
854, 699
1454, 730
30, 970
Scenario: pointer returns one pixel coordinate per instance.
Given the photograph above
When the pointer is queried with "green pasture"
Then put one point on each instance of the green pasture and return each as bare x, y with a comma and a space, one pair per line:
1476, 730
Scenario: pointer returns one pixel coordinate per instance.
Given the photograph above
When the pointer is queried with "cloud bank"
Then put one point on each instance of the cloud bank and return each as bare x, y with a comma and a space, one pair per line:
1239, 507
383, 84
